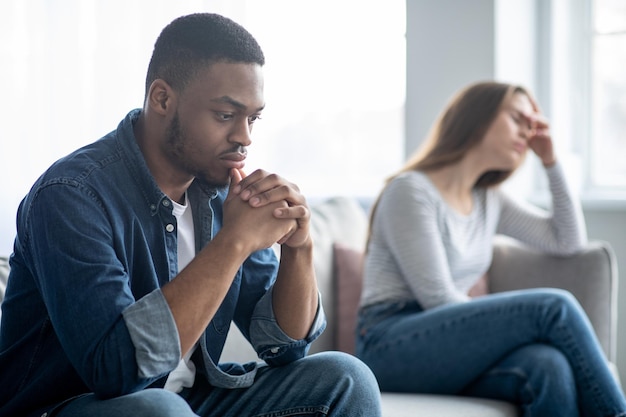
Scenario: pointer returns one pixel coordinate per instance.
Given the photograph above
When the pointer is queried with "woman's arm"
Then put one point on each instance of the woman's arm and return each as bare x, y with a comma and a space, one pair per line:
561, 230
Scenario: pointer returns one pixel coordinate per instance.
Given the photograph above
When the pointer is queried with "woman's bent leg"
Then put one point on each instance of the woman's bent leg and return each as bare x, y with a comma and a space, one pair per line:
537, 377
445, 349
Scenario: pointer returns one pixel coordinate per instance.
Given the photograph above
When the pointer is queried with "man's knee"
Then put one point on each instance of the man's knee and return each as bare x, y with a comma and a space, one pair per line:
162, 403
152, 402
352, 380
342, 365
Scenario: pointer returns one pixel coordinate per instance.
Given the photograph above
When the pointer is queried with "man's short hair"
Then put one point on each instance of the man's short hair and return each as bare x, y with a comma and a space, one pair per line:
193, 42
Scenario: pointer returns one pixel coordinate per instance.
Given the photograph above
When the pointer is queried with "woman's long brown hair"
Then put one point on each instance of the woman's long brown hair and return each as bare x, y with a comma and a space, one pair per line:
459, 128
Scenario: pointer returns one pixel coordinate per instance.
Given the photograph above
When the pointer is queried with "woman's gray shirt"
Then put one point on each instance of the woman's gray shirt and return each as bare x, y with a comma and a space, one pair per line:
420, 248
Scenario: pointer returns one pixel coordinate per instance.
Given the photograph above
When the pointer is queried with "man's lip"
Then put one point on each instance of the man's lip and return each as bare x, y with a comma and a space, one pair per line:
234, 156
234, 159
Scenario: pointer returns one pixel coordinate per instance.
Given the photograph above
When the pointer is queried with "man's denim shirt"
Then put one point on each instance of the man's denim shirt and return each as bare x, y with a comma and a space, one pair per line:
84, 310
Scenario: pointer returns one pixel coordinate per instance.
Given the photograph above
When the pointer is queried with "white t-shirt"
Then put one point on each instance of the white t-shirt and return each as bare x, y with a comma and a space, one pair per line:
185, 373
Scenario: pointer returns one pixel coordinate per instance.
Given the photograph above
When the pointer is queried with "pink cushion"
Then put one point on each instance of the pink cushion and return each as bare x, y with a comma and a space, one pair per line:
348, 281
481, 287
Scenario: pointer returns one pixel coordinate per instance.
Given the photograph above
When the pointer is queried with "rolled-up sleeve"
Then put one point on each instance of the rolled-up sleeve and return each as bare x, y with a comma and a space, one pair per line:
147, 321
271, 343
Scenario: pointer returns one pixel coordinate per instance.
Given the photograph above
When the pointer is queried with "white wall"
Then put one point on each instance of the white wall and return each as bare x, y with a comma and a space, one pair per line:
450, 43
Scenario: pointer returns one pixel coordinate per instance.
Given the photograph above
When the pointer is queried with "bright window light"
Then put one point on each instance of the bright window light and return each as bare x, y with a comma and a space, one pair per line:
334, 86
608, 119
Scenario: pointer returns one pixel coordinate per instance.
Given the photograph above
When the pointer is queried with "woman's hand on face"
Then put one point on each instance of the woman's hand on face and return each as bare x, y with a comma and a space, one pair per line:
539, 138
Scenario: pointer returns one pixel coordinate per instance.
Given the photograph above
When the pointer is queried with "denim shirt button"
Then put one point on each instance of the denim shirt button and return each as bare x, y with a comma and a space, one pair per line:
169, 227
274, 350
166, 202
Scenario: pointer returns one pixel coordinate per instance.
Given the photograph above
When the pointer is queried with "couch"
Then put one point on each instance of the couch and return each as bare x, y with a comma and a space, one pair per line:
339, 227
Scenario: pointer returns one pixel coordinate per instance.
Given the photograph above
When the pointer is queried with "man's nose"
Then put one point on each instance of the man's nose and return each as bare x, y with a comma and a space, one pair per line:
242, 134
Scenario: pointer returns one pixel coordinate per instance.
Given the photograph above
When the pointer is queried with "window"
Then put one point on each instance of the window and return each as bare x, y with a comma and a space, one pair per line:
334, 86
608, 95
582, 68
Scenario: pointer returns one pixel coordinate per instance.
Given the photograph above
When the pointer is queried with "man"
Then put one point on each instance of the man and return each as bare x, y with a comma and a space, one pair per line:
134, 254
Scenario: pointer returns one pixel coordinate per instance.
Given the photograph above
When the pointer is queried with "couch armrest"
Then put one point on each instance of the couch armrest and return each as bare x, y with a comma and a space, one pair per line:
591, 276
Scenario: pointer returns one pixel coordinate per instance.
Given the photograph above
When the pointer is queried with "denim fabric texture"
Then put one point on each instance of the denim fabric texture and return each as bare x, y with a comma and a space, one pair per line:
324, 384
534, 348
96, 239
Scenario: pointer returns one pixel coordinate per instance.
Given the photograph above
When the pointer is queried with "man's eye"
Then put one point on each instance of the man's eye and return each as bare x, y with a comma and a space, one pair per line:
253, 119
225, 116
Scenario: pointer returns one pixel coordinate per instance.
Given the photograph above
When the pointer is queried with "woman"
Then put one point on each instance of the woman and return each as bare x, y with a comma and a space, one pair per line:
431, 241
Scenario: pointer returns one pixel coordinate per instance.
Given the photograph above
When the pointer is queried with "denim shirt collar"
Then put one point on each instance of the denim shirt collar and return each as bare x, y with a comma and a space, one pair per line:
136, 164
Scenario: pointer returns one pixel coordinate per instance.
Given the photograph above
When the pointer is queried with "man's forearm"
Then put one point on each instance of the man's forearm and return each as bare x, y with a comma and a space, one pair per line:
196, 293
295, 291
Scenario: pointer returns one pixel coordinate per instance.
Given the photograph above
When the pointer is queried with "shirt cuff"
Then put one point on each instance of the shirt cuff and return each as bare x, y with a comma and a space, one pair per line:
269, 340
154, 334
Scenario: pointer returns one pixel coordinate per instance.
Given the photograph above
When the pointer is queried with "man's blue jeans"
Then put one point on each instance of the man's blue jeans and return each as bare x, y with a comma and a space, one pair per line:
324, 384
534, 348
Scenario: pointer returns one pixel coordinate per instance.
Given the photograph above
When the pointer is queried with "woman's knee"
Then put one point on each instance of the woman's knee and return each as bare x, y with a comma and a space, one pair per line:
561, 302
562, 296
571, 305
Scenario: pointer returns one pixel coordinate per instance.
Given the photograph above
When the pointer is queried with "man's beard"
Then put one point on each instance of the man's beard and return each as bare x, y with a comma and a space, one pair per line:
176, 147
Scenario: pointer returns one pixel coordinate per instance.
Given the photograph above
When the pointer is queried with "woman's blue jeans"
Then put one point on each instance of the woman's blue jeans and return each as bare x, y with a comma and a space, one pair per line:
534, 348
324, 384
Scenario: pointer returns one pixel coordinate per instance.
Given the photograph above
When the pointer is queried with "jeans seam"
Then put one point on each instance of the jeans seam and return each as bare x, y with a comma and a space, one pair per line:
597, 395
320, 410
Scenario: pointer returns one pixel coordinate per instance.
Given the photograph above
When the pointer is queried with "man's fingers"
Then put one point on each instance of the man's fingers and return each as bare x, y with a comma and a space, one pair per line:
261, 188
236, 175
293, 212
257, 183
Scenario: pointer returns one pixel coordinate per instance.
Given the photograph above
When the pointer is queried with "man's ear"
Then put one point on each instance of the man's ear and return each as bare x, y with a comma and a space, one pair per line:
161, 97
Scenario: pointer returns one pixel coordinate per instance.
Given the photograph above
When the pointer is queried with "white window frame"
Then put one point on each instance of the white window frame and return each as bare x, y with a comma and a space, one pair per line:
565, 66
